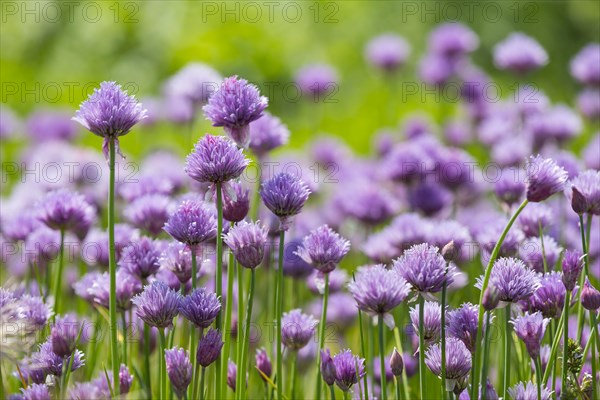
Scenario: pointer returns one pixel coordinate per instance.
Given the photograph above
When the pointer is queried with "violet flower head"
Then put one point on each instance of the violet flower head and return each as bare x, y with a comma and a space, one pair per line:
140, 258
51, 363
323, 249
192, 223
531, 252
588, 103
349, 369
532, 217
63, 335
436, 70
284, 195
452, 40
195, 83
572, 265
125, 379
127, 287
462, 324
36, 391
424, 268
65, 210
387, 51
585, 66
263, 363
549, 298
236, 202
149, 212
157, 305
247, 241
200, 307
432, 320
458, 360
378, 290
34, 310
530, 328
327, 367
544, 178
519, 53
528, 391
177, 258
317, 80
266, 134
234, 106
215, 159
512, 280
110, 112
590, 296
293, 265
209, 348
231, 375
179, 370
44, 125
559, 123
297, 329
587, 184
429, 198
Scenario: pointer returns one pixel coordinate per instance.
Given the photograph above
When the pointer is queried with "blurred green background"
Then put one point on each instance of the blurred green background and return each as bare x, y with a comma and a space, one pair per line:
54, 53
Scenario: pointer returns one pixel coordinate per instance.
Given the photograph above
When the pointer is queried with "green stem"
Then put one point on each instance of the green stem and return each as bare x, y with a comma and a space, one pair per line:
193, 250
443, 334
538, 376
322, 326
147, 360
397, 381
565, 335
241, 377
124, 322
595, 345
485, 354
195, 365
421, 348
161, 364
400, 349
59, 273
382, 359
202, 378
362, 350
278, 312
554, 349
219, 288
294, 356
580, 310
506, 380
545, 263
332, 392
228, 310
345, 395
112, 266
486, 280
240, 316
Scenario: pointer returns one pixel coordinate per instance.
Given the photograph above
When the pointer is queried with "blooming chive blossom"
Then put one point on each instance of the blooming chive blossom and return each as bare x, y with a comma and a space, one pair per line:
179, 370
549, 298
387, 51
263, 363
63, 335
590, 296
125, 379
316, 80
177, 258
247, 242
192, 223
424, 268
266, 134
531, 252
127, 286
519, 53
530, 328
234, 106
572, 265
110, 112
51, 363
348, 369
215, 159
36, 392
149, 212
452, 40
297, 329
532, 217
157, 305
209, 348
34, 310
462, 324
141, 257
284, 195
200, 307
588, 185
458, 359
432, 320
528, 391
378, 290
544, 178
585, 66
65, 210
513, 280
323, 249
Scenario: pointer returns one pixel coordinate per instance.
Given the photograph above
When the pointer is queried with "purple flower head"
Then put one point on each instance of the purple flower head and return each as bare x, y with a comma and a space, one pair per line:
376, 369
429, 198
145, 185
349, 369
234, 106
9, 123
424, 268
591, 153
65, 210
96, 244
396, 363
436, 70
590, 296
63, 335
157, 305
44, 125
512, 280
458, 359
549, 298
489, 234
247, 241
530, 328
236, 202
588, 103
572, 265
544, 178
266, 134
284, 195
293, 265
585, 66
82, 286
367, 202
125, 379
317, 80
387, 51
432, 320
263, 363
323, 249
209, 348
179, 370
192, 223
34, 310
195, 83
380, 246
327, 367
51, 363
378, 290
141, 257
462, 324
588, 185
109, 112
452, 40
532, 217
127, 286
449, 231
36, 391
149, 212
297, 329
42, 246
337, 281
215, 159
231, 374
519, 53
177, 258
200, 307
531, 253
18, 227
559, 123
528, 391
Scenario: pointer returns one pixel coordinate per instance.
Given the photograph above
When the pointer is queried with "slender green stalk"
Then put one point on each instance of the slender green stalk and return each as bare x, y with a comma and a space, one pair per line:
332, 392
196, 368
322, 326
228, 310
219, 288
404, 377
161, 364
345, 395
554, 349
398, 394
584, 246
507, 332
278, 312
595, 343
112, 267
421, 348
382, 359
544, 261
241, 377
59, 273
443, 334
202, 378
294, 356
362, 349
124, 323
485, 354
486, 280
565, 335
147, 359
240, 316
538, 376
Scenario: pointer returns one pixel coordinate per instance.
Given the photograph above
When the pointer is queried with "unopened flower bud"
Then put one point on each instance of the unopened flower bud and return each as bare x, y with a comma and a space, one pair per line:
491, 298
449, 251
396, 363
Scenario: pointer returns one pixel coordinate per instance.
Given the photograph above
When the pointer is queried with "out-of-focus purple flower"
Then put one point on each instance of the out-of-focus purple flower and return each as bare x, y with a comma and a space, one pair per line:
293, 265
590, 296
337, 281
530, 328
588, 185
209, 348
432, 320
512, 280
179, 370
109, 112
380, 246
457, 133
65, 210
297, 329
528, 391
531, 100
591, 154
429, 198
177, 258
34, 310
572, 265
63, 335
533, 253
327, 367
452, 40
192, 223
451, 231
585, 66
149, 212
533, 218
51, 363
387, 51
549, 298
140, 258
125, 379
9, 122
145, 185
316, 80
195, 83
215, 159
247, 241
489, 234
371, 204
458, 360
436, 70
44, 125
284, 195
200, 307
95, 247
82, 286
231, 375
18, 227
266, 134
42, 246
519, 53
263, 363
544, 178
36, 392
234, 106
588, 103
424, 268
157, 305
348, 369
127, 287
236, 202
389, 376
462, 324
559, 123
323, 249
